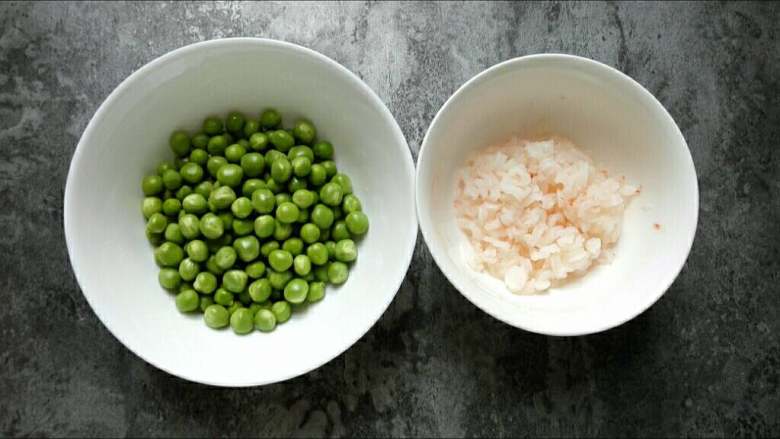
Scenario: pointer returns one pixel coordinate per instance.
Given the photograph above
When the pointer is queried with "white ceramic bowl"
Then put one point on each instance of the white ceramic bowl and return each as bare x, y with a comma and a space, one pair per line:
624, 129
127, 137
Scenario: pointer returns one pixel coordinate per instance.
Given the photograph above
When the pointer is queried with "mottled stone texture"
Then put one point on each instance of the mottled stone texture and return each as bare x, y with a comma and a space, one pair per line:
704, 361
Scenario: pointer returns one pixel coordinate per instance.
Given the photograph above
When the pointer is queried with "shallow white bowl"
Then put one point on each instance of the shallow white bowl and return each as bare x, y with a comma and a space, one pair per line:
127, 137
624, 129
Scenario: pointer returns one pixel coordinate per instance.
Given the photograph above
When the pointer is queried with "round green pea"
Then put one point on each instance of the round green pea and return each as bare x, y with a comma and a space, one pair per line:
225, 257
173, 233
189, 226
247, 247
191, 173
264, 226
296, 290
293, 245
242, 227
317, 175
214, 164
270, 118
212, 125
230, 175
268, 247
205, 282
234, 152
150, 206
344, 181
200, 141
199, 157
171, 206
265, 320
280, 260
169, 278
281, 311
310, 233
304, 131
331, 194
271, 156
263, 200
281, 170
253, 164
287, 212
242, 321
258, 141
164, 166
339, 231
251, 127
223, 297
251, 185
323, 150
351, 203
204, 188
197, 250
302, 265
211, 226
345, 251
338, 272
322, 216
179, 143
317, 253
282, 230
188, 269
195, 203
216, 316
279, 279
234, 280
241, 207
260, 290
212, 267
187, 301
235, 122
316, 292
303, 198
330, 167
281, 139
282, 198
217, 145
152, 184
156, 223
301, 166
357, 223
255, 270
222, 197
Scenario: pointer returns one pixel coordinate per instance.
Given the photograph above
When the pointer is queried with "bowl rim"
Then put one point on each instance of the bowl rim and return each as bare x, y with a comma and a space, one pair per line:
573, 60
97, 117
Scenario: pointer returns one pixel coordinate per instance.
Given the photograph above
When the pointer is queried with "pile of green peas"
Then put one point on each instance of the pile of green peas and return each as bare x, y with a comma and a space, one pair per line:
251, 221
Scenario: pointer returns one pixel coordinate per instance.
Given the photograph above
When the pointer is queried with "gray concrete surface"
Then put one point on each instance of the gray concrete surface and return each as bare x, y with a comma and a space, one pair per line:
704, 361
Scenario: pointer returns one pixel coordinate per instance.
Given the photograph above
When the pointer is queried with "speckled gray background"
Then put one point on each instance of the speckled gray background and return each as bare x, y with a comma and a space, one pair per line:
704, 361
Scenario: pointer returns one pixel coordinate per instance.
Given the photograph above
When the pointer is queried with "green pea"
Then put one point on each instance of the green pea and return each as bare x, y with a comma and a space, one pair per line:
268, 247
265, 320
187, 301
252, 164
207, 301
300, 151
330, 168
173, 233
322, 216
331, 247
227, 220
296, 183
251, 127
255, 270
230, 175
216, 316
234, 281
323, 150
351, 203
234, 153
287, 212
198, 157
271, 156
296, 290
241, 207
344, 181
225, 257
338, 272
150, 206
223, 297
152, 185
212, 125
217, 145
169, 278
183, 192
211, 226
212, 267
316, 292
273, 186
282, 230
293, 245
251, 185
281, 139
235, 122
197, 250
281, 170
301, 166
309, 233
171, 206
280, 260
157, 223
317, 253
258, 141
270, 118
279, 279
317, 175
282, 198
345, 251
189, 225
205, 282
263, 201
331, 194
188, 269
304, 131
242, 321
200, 141
357, 223
260, 290
222, 197
242, 227
195, 203
214, 164
339, 231
204, 188
282, 311
264, 226
247, 247
303, 198
321, 273
302, 265
164, 166
179, 143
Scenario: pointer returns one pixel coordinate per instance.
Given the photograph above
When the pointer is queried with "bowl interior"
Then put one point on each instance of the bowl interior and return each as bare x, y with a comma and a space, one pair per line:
623, 128
127, 138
